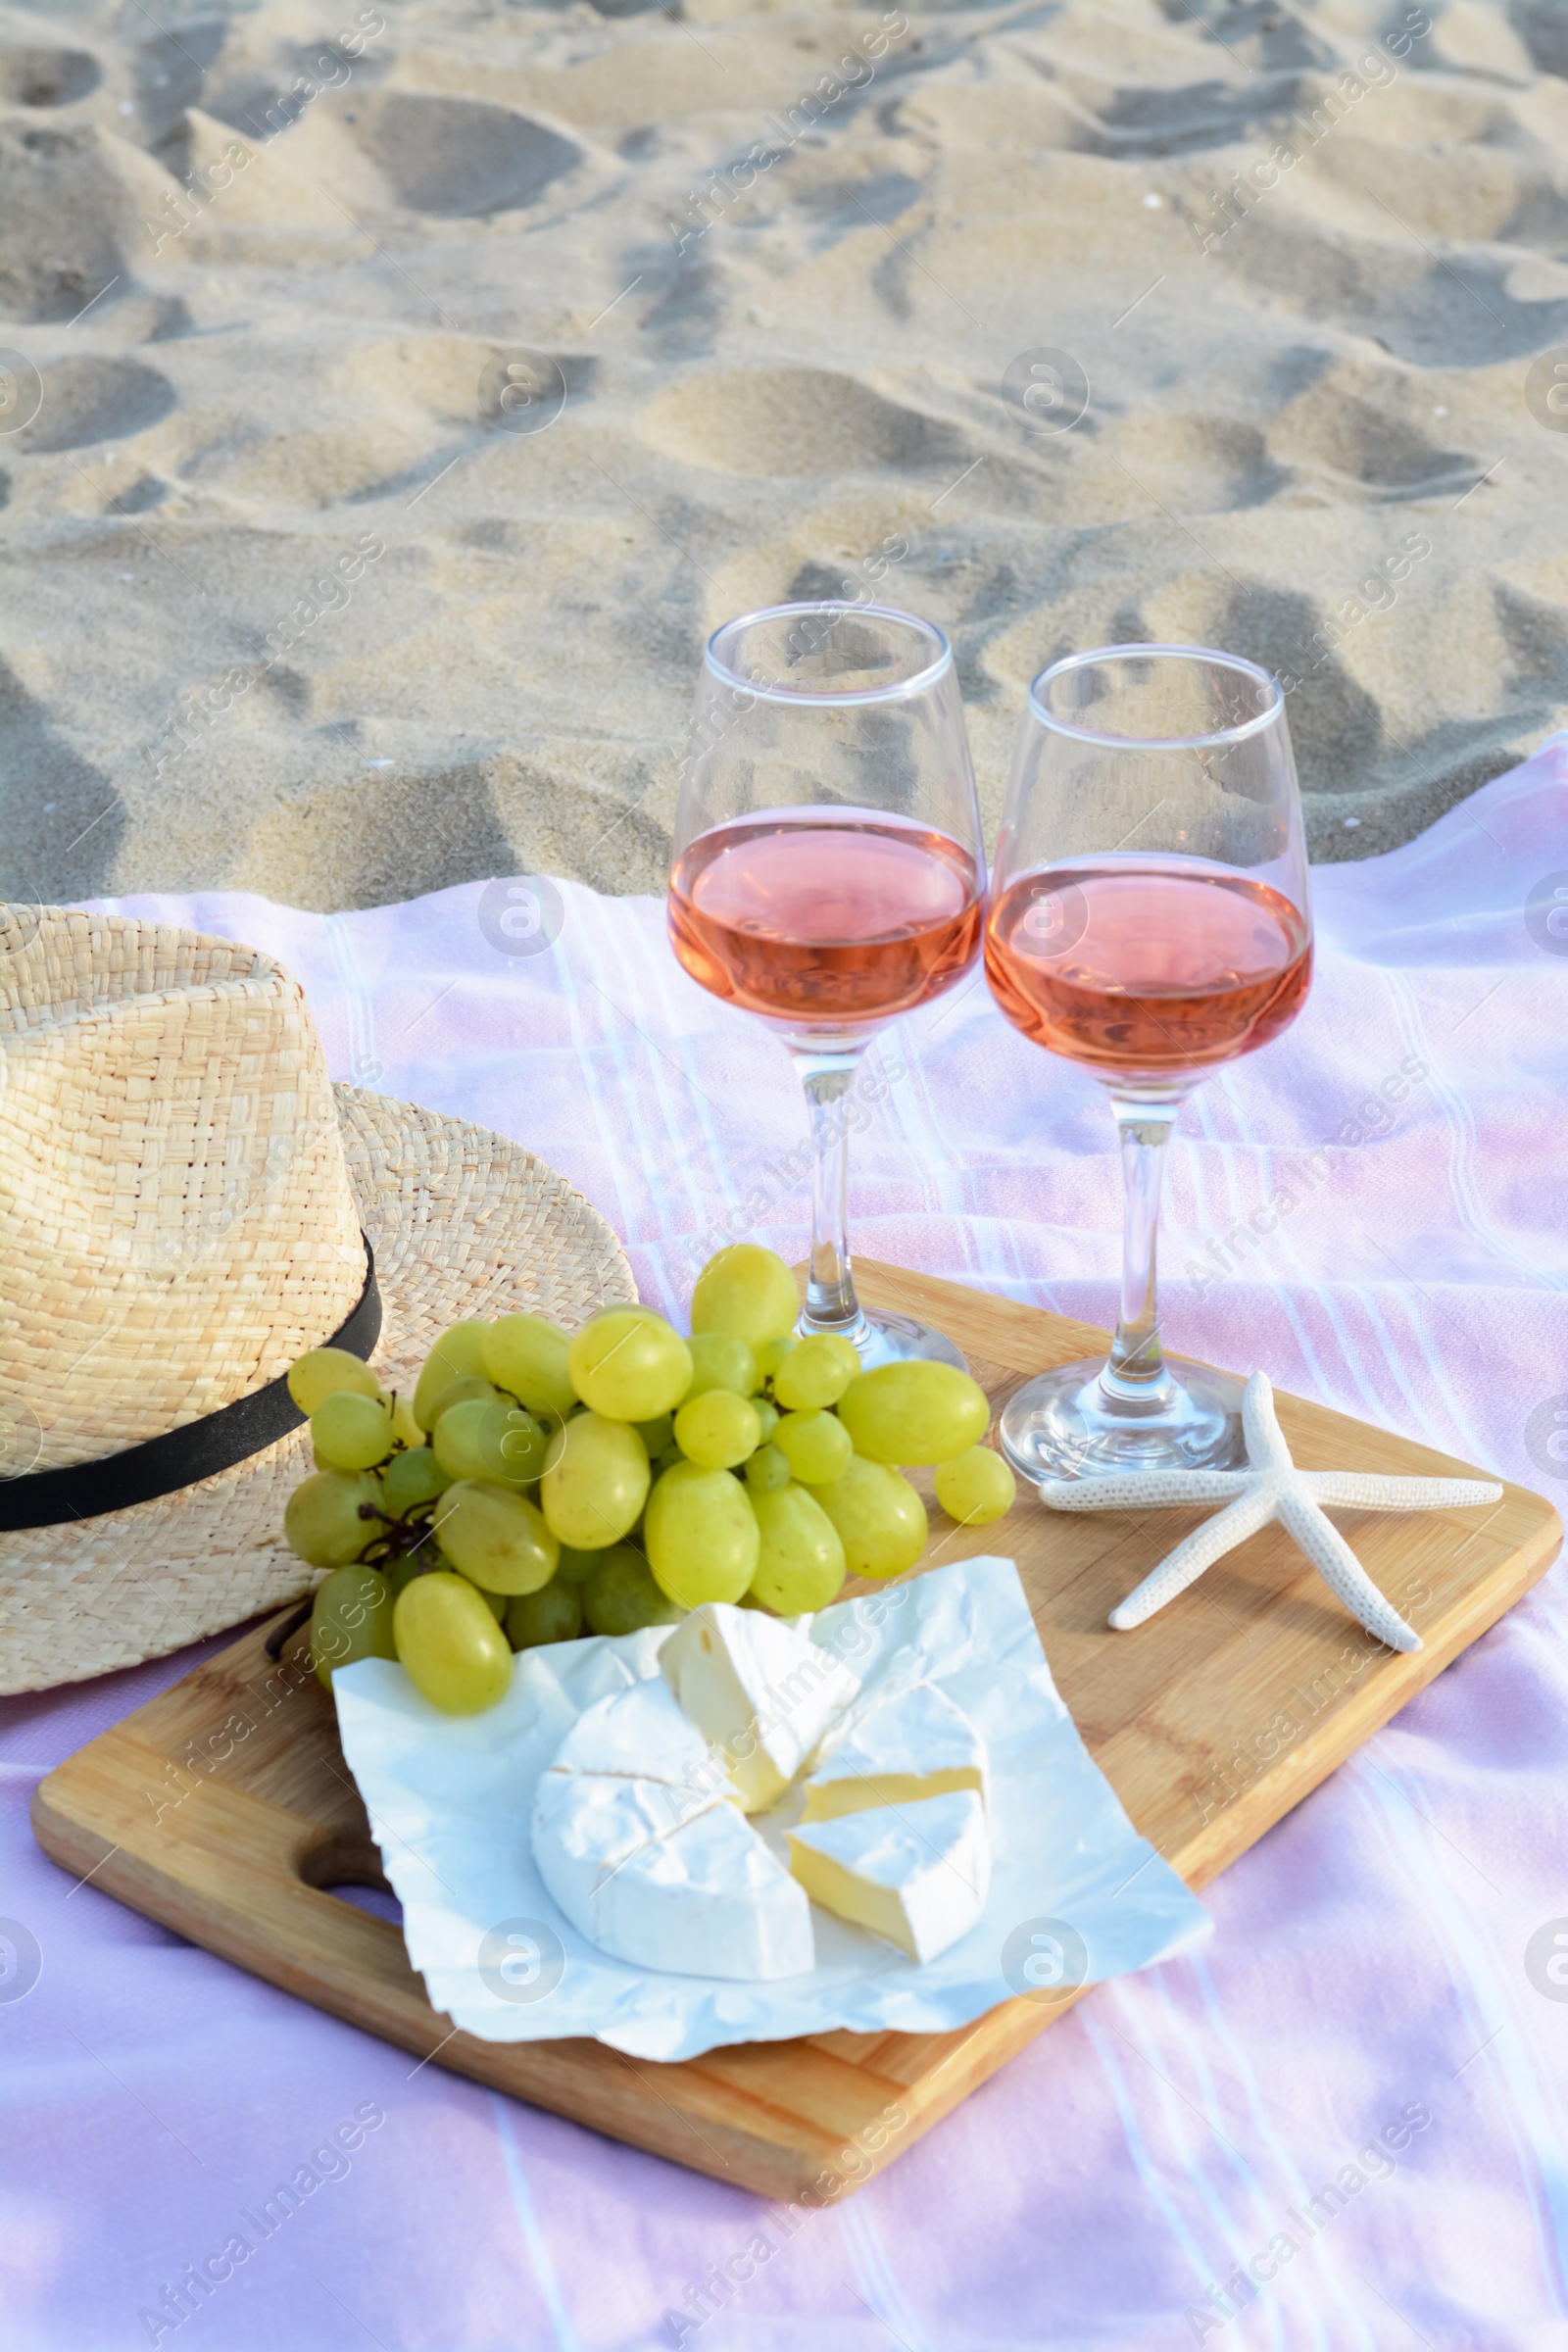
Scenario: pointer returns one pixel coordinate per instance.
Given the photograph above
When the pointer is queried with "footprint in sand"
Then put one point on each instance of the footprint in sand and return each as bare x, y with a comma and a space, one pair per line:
61, 817
95, 399
1207, 464
460, 157
1370, 436
793, 421
1543, 29
46, 77
1337, 727
62, 207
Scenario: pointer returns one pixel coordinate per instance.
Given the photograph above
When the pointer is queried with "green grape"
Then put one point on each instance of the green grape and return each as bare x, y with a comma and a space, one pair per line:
412, 1478
880, 1518
703, 1542
817, 1445
405, 1427
976, 1486
454, 1438
321, 1519
629, 1364
352, 1618
801, 1565
458, 1355
717, 1428
596, 1482
351, 1432
576, 1567
449, 1645
668, 1459
719, 1360
914, 1412
621, 1597
768, 1417
322, 1372
815, 1373
497, 1539
520, 1444
656, 1436
772, 1352
767, 1470
497, 1603
526, 1355
471, 1389
494, 1440
405, 1566
552, 1614
748, 1293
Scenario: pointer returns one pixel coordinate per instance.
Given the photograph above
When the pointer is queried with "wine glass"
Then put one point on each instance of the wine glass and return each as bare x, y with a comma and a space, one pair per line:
828, 874
1148, 921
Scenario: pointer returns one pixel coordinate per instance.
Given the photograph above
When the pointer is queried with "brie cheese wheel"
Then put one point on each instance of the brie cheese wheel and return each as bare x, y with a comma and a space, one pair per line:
762, 1691
918, 1875
662, 1873
641, 1734
913, 1744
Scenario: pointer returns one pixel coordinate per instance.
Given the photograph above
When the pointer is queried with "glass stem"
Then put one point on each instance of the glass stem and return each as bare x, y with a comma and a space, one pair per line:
828, 1077
1136, 1371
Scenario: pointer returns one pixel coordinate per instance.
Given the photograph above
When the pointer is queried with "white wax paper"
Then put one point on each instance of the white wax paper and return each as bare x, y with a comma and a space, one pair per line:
450, 1799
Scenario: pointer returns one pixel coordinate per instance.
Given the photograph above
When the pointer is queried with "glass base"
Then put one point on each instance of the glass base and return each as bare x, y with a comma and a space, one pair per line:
892, 1339
1067, 1424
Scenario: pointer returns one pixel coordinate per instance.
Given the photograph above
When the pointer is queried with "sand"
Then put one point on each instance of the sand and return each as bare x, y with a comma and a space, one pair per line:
305, 593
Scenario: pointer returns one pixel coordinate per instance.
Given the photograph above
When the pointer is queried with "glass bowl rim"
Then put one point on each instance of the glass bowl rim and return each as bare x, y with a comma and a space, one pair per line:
1158, 743
798, 697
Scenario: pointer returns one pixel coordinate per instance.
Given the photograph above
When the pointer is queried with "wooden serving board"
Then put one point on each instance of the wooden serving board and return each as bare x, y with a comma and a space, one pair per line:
224, 1809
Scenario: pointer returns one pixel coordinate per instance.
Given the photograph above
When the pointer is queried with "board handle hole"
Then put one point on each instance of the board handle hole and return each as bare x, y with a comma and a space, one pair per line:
349, 1868
378, 1901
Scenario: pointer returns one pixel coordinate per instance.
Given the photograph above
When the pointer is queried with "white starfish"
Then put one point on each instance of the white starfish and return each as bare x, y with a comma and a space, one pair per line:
1270, 1488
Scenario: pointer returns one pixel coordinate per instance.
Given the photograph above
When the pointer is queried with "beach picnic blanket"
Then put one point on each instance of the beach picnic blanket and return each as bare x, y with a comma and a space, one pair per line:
1374, 1211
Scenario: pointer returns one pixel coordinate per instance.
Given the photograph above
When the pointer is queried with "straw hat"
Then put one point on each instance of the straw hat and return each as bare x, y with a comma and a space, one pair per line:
185, 1204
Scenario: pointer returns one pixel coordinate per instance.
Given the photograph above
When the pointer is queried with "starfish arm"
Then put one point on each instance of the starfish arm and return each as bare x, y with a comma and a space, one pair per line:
1362, 1491
1195, 1552
1142, 1490
1344, 1574
1266, 1449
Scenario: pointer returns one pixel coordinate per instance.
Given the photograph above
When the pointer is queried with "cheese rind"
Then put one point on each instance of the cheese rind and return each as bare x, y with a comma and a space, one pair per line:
732, 1908
918, 1875
700, 1895
658, 1867
915, 1744
763, 1693
641, 1734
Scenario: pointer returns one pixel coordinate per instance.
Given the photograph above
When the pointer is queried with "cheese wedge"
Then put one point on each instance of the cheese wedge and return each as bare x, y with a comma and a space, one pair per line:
913, 1744
918, 1875
762, 1691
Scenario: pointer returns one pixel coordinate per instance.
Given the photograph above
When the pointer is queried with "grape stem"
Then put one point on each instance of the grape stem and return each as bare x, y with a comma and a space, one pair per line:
402, 1538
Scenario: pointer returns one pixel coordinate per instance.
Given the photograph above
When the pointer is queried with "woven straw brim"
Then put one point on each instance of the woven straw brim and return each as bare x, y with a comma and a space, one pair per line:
462, 1223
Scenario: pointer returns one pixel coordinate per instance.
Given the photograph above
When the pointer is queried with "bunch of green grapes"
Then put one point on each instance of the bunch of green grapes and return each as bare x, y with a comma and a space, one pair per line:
537, 1487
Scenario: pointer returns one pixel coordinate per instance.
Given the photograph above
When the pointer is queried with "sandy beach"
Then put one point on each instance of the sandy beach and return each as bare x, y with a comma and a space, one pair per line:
395, 396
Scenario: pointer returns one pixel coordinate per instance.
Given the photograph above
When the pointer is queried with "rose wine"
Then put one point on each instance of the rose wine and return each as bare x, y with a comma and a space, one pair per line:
1147, 970
825, 920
